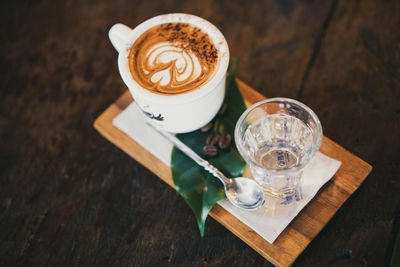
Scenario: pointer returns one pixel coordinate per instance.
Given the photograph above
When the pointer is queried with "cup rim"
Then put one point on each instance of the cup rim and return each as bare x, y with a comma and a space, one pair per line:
314, 116
215, 35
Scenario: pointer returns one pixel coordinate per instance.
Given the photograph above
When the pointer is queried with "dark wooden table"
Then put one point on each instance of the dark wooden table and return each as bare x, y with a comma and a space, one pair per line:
69, 197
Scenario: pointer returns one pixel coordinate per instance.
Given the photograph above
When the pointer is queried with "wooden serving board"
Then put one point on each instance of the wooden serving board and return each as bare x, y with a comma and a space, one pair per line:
308, 223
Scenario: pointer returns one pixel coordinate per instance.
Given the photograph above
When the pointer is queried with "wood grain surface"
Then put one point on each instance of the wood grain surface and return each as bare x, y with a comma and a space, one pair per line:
68, 197
296, 237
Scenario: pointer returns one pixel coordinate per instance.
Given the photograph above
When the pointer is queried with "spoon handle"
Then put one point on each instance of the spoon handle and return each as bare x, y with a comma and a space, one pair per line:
190, 153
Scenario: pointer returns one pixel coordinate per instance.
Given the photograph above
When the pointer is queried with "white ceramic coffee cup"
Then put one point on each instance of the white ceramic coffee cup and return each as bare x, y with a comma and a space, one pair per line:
184, 112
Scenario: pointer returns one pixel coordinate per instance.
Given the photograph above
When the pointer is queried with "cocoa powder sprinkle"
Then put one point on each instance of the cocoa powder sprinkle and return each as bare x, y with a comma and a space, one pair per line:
191, 38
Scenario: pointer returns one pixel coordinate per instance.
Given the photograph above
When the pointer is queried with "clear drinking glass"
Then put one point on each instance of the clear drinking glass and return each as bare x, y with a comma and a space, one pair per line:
277, 138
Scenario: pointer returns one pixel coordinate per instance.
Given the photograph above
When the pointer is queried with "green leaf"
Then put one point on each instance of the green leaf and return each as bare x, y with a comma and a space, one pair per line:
200, 189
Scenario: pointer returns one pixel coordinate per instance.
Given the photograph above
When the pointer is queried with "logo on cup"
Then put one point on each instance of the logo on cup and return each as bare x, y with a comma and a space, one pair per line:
151, 115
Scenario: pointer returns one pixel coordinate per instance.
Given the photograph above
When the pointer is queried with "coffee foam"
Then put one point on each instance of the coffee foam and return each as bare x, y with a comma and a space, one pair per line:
186, 68
173, 58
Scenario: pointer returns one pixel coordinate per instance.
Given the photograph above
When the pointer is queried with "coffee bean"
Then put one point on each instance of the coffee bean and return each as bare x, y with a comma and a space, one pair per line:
215, 140
212, 139
222, 109
224, 141
207, 127
210, 151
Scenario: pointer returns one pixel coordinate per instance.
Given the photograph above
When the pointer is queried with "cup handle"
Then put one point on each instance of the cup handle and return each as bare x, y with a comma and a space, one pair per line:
118, 36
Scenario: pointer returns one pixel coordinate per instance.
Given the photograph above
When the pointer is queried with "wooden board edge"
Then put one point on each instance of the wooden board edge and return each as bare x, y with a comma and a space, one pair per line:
368, 167
125, 99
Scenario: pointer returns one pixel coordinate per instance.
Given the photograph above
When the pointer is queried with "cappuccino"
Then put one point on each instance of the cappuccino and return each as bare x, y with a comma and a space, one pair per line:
173, 58
175, 68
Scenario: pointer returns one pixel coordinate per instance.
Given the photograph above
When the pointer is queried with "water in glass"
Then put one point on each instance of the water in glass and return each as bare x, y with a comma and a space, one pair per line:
277, 142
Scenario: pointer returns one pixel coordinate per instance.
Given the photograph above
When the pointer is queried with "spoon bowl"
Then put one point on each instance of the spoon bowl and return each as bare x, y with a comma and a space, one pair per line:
244, 193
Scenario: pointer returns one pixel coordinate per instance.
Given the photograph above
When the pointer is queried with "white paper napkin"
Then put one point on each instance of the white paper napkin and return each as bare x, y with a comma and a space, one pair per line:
267, 222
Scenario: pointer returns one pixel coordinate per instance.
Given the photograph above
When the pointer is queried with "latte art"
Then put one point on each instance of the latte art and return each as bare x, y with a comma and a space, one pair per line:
172, 66
173, 58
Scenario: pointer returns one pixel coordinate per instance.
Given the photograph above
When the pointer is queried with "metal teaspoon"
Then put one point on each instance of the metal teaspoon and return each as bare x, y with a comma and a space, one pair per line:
243, 193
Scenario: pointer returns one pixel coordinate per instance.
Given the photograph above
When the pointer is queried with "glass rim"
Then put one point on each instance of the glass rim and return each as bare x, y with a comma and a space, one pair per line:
314, 116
